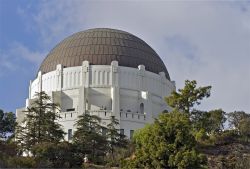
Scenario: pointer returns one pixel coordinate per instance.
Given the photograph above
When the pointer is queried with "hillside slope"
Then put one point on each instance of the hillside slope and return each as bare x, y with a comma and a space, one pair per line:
234, 155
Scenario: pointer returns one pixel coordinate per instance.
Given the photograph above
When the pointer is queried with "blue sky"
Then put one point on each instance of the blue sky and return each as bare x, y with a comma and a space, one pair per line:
205, 41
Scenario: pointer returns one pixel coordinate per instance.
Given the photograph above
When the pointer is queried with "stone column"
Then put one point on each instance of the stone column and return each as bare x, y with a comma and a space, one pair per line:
149, 109
115, 90
30, 89
142, 86
59, 77
40, 81
163, 84
85, 73
83, 90
166, 89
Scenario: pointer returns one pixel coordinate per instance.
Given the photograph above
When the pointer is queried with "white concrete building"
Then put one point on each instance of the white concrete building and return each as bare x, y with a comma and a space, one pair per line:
104, 72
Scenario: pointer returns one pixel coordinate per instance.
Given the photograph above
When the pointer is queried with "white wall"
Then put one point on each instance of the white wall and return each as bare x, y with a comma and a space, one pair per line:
99, 98
135, 86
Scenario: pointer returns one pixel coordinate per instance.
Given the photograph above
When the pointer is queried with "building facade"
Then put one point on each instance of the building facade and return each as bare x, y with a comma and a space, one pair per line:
104, 72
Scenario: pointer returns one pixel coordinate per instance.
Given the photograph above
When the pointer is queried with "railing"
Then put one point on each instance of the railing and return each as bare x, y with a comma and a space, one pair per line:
104, 114
133, 116
70, 115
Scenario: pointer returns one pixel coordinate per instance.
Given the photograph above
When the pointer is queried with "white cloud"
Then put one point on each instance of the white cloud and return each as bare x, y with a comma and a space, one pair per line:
12, 58
5, 63
206, 41
20, 50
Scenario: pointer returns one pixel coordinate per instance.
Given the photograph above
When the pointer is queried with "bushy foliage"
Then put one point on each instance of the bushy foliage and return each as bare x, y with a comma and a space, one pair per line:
88, 137
201, 135
119, 156
115, 139
244, 129
225, 137
7, 124
7, 149
167, 143
48, 154
185, 99
40, 123
209, 121
21, 162
235, 117
239, 121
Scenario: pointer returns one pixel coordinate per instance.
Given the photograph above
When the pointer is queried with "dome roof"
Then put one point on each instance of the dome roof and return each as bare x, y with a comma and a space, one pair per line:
101, 46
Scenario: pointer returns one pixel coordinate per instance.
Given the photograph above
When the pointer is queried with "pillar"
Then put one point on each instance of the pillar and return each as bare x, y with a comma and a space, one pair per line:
149, 109
142, 84
59, 77
30, 89
85, 73
115, 90
163, 84
83, 90
39, 76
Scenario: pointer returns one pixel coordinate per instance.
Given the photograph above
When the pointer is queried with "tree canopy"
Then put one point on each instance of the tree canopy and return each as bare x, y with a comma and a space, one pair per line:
7, 124
40, 123
185, 99
114, 137
234, 118
88, 136
167, 143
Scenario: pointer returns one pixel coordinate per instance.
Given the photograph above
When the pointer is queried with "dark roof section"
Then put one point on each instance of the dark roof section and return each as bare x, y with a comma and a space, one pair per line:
101, 46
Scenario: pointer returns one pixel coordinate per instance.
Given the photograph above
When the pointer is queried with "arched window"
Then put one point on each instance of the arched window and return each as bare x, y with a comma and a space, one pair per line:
142, 108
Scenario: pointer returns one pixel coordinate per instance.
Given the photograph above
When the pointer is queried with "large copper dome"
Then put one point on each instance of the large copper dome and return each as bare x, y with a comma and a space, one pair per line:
100, 46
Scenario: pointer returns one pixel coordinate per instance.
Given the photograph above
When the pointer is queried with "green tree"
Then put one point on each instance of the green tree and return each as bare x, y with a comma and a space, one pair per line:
244, 128
209, 121
7, 146
167, 143
49, 154
40, 123
115, 138
235, 117
7, 124
88, 136
216, 119
8, 149
239, 121
185, 99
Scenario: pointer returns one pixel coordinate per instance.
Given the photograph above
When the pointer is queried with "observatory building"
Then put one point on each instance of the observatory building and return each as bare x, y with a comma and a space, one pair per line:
104, 72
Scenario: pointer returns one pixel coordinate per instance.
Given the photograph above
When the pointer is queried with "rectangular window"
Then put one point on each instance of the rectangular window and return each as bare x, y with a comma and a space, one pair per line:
70, 134
122, 131
72, 109
104, 131
131, 134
